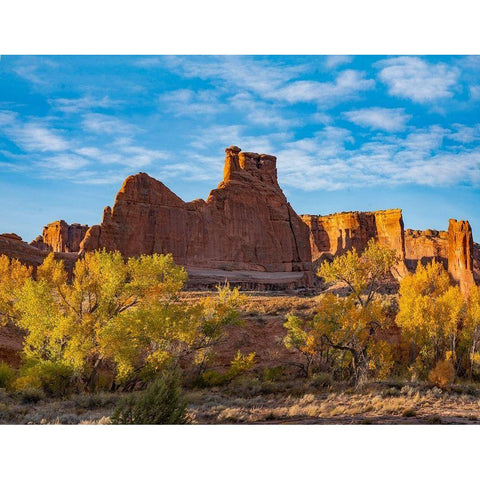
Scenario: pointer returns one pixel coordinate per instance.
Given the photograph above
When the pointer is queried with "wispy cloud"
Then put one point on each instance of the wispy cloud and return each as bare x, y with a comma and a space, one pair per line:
347, 85
328, 161
100, 123
63, 162
417, 79
84, 103
376, 118
29, 68
32, 135
254, 75
334, 61
186, 102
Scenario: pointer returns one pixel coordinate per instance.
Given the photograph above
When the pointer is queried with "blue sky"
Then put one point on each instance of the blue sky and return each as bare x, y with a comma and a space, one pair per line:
350, 133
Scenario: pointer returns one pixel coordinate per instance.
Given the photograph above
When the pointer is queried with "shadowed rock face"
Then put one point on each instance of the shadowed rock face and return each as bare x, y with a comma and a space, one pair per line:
424, 246
334, 234
61, 237
460, 253
12, 246
246, 224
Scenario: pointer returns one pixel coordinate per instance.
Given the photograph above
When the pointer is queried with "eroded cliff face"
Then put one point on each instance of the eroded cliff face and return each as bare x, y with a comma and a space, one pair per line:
424, 246
460, 253
61, 237
334, 234
246, 224
13, 246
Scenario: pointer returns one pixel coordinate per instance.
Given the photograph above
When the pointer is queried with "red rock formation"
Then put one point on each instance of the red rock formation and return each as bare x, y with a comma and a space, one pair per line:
424, 246
29, 255
334, 234
476, 262
460, 253
246, 224
61, 237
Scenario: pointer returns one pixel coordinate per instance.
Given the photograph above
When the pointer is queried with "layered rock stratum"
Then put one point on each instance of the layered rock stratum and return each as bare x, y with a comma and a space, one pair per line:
334, 234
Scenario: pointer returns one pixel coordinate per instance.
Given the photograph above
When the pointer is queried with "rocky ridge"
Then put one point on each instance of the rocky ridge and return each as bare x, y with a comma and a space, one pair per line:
246, 232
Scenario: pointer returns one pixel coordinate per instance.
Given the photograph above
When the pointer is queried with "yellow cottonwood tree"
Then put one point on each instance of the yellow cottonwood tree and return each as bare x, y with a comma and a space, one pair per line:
125, 313
431, 314
349, 324
471, 329
363, 274
13, 275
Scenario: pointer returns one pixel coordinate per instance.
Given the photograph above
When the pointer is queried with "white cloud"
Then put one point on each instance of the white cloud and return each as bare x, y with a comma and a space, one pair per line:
35, 137
186, 102
475, 92
28, 68
254, 75
123, 152
465, 134
87, 102
258, 112
334, 61
376, 118
7, 118
62, 162
347, 85
107, 124
418, 80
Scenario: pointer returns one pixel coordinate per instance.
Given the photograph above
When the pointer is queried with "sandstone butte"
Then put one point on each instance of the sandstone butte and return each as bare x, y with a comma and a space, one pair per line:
61, 237
245, 229
246, 232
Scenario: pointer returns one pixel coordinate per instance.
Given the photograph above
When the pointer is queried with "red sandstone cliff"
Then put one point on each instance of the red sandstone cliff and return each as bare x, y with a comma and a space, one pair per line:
246, 224
12, 246
61, 237
334, 234
424, 246
460, 253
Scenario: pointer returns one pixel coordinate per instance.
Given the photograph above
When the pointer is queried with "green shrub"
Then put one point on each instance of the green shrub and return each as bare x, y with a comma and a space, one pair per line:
56, 379
160, 404
7, 374
321, 380
31, 395
246, 386
272, 374
240, 364
212, 378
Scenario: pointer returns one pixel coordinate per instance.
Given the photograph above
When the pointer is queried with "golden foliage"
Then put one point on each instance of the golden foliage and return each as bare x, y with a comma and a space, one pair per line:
13, 275
126, 312
443, 373
363, 274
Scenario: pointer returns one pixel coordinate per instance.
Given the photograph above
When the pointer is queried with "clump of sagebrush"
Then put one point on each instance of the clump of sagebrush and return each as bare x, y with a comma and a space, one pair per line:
160, 404
7, 374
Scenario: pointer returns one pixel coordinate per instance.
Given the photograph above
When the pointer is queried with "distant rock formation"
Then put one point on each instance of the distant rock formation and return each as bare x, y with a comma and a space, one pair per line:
59, 236
334, 234
460, 253
424, 246
246, 224
246, 232
13, 246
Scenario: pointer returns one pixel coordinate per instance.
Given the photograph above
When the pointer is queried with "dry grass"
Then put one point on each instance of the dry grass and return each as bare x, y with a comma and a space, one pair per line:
409, 405
292, 402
